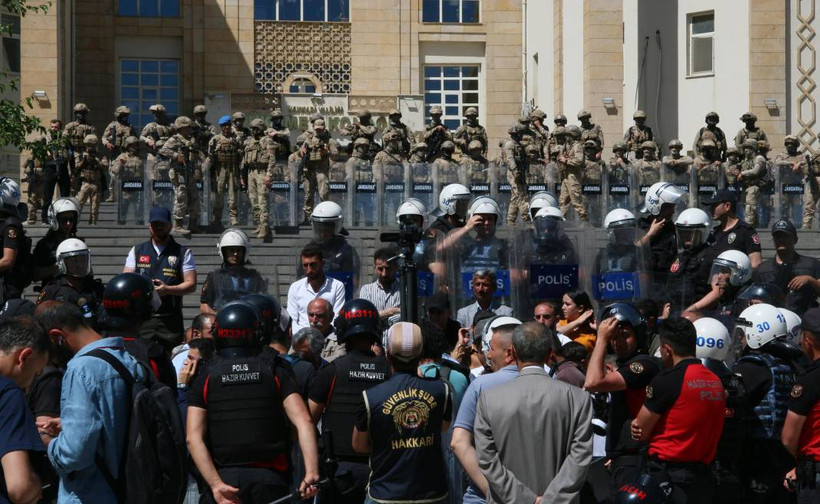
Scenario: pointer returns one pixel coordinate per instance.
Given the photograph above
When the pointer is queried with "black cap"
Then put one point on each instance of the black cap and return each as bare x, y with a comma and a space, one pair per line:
811, 320
784, 226
439, 302
719, 196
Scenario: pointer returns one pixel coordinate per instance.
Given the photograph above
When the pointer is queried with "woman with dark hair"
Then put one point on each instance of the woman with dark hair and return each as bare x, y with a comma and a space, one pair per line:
578, 323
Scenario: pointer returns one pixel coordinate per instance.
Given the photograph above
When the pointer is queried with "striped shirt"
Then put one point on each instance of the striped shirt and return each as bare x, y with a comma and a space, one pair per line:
382, 299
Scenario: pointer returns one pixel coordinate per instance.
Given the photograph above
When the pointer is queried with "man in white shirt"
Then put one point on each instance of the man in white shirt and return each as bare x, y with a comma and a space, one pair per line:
315, 285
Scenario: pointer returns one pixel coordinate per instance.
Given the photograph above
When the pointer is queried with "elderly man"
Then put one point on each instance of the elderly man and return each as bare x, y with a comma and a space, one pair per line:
484, 287
533, 435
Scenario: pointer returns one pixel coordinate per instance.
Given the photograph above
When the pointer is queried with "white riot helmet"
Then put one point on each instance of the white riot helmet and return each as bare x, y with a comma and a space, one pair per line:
234, 237
9, 194
453, 200
548, 224
692, 226
793, 325
621, 226
327, 220
412, 207
661, 193
713, 339
542, 199
59, 206
485, 205
762, 323
733, 263
73, 258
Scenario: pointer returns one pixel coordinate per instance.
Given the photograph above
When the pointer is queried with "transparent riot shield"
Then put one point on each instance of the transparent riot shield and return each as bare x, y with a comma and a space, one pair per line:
500, 188
593, 192
683, 178
390, 190
617, 187
203, 188
243, 205
618, 267
477, 178
766, 205
536, 178
789, 195
647, 173
552, 179
224, 285
161, 192
362, 193
705, 181
280, 195
131, 201
545, 265
338, 185
422, 186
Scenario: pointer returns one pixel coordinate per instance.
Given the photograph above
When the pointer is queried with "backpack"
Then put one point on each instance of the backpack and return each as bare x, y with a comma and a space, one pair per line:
154, 466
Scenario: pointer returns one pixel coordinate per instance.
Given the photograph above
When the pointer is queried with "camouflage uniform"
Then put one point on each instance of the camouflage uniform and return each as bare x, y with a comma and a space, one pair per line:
36, 185
388, 165
260, 163
420, 170
514, 160
404, 131
315, 177
811, 195
747, 133
541, 132
589, 130
753, 170
619, 169
114, 142
359, 170
536, 169
732, 168
435, 134
637, 134
648, 169
444, 168
157, 131
91, 171
570, 164
707, 170
362, 129
592, 174
713, 133
792, 167
675, 166
129, 166
224, 151
470, 131
75, 132
475, 165
184, 174
555, 144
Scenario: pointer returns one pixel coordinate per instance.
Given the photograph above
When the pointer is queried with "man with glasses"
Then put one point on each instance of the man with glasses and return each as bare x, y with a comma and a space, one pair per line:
484, 285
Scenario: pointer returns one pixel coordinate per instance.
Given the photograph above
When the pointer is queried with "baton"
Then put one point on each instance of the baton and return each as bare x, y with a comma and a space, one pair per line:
295, 496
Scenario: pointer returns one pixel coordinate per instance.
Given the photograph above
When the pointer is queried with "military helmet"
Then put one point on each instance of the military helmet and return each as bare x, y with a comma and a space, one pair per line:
475, 145
200, 109
750, 143
790, 139
238, 115
748, 116
448, 146
357, 316
591, 144
560, 119
258, 124
301, 139
277, 112
707, 143
471, 111
364, 113
91, 140
712, 115
436, 110
394, 112
131, 140
732, 150
182, 122
128, 297
559, 131
763, 145
676, 143
639, 114
81, 108
583, 113
538, 114
121, 110
157, 108
319, 124
236, 330
515, 129
619, 146
391, 136
574, 131
419, 146
361, 141
649, 144
524, 120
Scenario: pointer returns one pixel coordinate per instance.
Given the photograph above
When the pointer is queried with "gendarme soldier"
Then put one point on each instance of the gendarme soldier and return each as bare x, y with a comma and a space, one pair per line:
750, 130
279, 135
129, 166
158, 130
405, 133
259, 163
75, 132
224, 151
316, 152
470, 131
435, 134
35, 176
589, 130
114, 142
181, 150
638, 133
515, 161
713, 133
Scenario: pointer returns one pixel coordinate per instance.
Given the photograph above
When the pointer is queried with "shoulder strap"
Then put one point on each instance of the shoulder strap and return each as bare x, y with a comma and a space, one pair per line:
118, 366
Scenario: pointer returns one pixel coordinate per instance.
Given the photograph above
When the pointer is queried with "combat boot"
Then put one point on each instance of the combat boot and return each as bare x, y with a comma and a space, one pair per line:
110, 198
263, 232
179, 229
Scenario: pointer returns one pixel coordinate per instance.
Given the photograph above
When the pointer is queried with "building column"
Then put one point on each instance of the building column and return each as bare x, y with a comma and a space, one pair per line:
767, 67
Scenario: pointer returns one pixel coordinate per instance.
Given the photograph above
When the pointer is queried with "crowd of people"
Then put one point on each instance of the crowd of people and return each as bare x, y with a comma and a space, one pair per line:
674, 364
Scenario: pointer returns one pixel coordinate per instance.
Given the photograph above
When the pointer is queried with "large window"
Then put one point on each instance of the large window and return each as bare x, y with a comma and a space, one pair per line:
701, 47
453, 88
11, 42
450, 11
334, 11
149, 8
144, 82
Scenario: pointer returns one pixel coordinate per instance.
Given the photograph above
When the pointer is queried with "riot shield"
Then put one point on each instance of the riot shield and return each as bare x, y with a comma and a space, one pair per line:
789, 194
552, 179
766, 204
281, 196
705, 181
683, 179
131, 201
592, 189
390, 190
618, 271
203, 187
243, 206
363, 200
647, 174
161, 192
500, 188
477, 179
545, 265
617, 188
339, 187
421, 185
231, 284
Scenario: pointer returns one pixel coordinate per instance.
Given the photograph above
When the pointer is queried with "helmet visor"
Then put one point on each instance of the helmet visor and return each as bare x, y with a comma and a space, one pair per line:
689, 238
76, 264
462, 205
325, 230
547, 228
722, 274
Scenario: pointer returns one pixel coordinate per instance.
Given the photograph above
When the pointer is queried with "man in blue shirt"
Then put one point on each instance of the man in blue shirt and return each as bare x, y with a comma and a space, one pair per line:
498, 342
23, 354
95, 407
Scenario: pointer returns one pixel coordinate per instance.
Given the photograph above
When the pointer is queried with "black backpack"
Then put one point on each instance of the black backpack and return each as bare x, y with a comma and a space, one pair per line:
154, 466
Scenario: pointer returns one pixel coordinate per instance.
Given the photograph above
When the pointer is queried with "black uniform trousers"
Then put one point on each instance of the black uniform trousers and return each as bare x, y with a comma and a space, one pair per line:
256, 484
50, 176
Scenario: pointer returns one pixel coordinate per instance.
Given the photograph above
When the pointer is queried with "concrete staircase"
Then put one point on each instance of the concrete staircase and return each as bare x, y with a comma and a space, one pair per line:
277, 259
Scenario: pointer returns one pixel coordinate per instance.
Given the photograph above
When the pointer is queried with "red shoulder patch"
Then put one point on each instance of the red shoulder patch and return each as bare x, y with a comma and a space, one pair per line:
675, 266
756, 239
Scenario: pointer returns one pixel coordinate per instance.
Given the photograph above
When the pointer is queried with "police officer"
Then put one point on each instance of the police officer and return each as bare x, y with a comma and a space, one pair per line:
713, 133
688, 279
767, 368
435, 134
660, 202
749, 131
113, 139
15, 245
453, 202
731, 233
589, 130
637, 134
336, 391
470, 131
181, 150
63, 215
801, 431
515, 162
170, 267
682, 416
399, 424
406, 136
233, 279
317, 151
224, 151
341, 259
75, 284
238, 413
623, 329
158, 130
75, 132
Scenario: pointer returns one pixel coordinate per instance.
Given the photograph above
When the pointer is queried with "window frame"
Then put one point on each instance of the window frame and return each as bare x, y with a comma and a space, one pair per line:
690, 36
158, 3
144, 103
460, 13
14, 35
301, 19
460, 92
